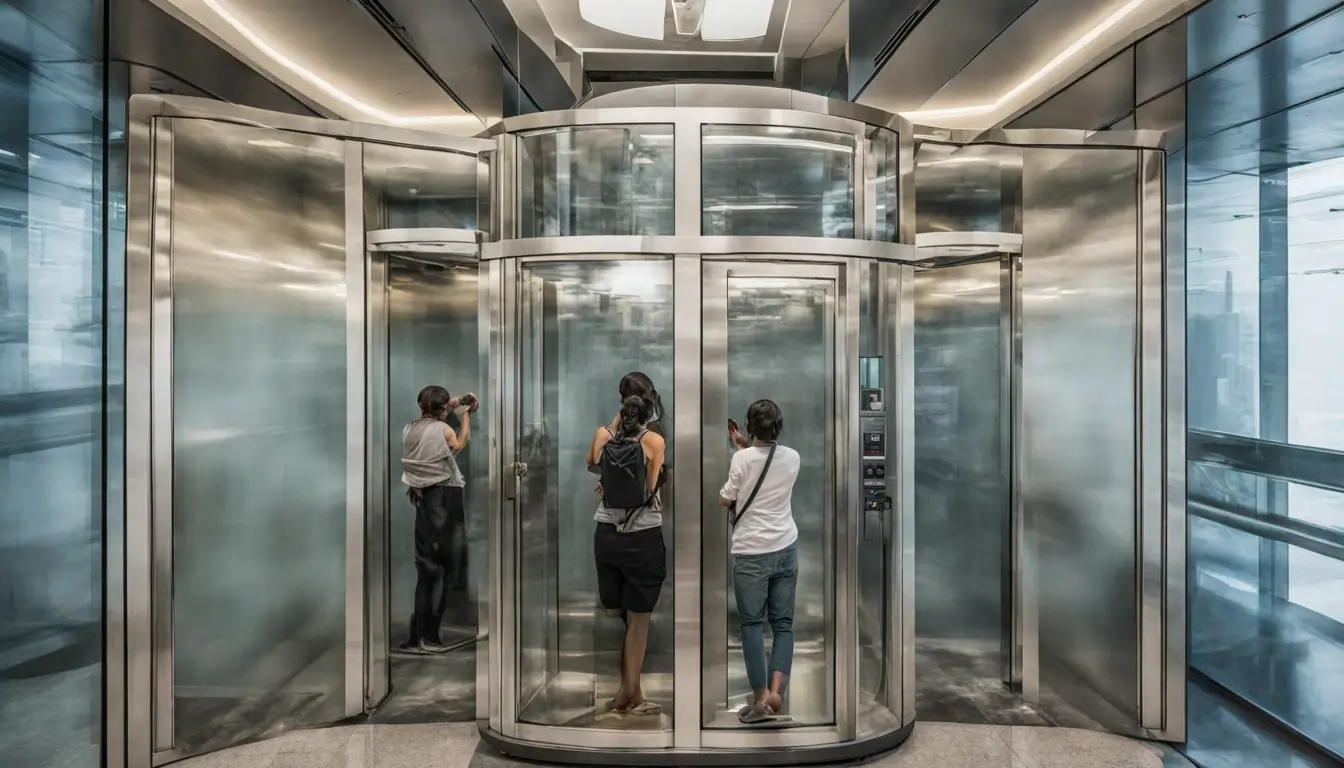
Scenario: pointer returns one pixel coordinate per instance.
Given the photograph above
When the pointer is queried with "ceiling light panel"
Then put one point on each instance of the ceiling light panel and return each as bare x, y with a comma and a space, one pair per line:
637, 18
726, 20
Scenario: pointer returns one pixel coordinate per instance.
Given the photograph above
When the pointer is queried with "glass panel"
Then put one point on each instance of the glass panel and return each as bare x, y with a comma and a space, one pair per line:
1315, 287
772, 180
884, 147
608, 180
259, 431
432, 339
420, 188
584, 326
1282, 655
1223, 299
766, 315
51, 386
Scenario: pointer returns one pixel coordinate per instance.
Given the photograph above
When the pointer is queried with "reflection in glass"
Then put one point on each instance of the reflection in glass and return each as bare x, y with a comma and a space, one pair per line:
599, 180
765, 316
420, 187
772, 180
258, 432
51, 386
884, 147
1264, 282
1315, 308
1283, 655
432, 339
584, 326
1223, 299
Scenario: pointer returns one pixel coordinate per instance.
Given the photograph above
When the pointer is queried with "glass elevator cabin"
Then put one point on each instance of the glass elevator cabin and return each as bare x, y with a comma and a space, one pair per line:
731, 255
1013, 391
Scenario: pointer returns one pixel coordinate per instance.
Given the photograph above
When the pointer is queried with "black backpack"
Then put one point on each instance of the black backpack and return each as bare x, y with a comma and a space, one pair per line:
624, 473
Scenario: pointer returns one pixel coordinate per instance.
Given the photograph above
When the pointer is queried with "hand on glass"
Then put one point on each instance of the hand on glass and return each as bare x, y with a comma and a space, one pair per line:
735, 436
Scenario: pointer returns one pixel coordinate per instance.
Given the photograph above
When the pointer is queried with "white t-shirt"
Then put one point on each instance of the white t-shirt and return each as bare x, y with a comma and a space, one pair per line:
767, 525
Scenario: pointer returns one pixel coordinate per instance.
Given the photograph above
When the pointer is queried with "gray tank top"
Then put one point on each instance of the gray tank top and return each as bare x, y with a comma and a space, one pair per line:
426, 459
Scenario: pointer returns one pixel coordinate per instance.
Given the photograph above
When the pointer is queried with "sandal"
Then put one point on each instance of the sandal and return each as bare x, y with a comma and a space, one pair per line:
645, 709
755, 714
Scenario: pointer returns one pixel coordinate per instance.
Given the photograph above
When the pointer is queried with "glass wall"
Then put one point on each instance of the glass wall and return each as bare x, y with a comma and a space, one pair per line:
1265, 295
51, 384
774, 180
599, 180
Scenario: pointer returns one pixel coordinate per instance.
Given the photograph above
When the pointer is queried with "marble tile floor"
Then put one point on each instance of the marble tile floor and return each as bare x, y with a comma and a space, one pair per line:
430, 689
457, 745
959, 683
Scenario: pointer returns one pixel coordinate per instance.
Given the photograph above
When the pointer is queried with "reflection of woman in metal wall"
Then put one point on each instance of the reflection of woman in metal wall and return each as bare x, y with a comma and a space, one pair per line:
628, 544
438, 490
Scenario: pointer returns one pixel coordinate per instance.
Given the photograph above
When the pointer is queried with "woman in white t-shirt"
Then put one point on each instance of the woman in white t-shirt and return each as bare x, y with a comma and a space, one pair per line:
759, 496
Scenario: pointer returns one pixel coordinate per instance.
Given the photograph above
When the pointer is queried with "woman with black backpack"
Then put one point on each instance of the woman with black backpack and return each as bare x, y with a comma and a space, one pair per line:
628, 543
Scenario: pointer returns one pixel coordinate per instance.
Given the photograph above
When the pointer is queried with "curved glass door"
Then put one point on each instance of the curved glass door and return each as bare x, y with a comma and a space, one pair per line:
581, 327
772, 331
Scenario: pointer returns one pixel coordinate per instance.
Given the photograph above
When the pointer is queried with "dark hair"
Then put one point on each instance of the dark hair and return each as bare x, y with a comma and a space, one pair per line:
636, 384
433, 401
635, 413
765, 421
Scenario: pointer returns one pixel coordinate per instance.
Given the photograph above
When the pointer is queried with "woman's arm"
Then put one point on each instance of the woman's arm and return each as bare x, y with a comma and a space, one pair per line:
457, 441
654, 449
600, 438
728, 494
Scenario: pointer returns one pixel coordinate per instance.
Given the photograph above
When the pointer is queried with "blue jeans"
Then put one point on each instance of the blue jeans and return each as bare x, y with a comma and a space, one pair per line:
765, 585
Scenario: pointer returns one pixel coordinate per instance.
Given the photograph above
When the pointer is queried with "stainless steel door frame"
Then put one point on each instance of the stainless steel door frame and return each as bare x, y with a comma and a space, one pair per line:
842, 404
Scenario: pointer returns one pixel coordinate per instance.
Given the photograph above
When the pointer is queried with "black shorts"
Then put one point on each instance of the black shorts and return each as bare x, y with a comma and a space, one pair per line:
630, 568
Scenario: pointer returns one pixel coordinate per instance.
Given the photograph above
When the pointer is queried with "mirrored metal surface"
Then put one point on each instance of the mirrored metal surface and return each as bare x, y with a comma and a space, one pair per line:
1079, 333
257, 454
962, 529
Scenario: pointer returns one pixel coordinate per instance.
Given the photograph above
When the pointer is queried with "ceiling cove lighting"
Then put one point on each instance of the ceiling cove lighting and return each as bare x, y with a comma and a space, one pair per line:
1008, 98
326, 87
637, 18
726, 20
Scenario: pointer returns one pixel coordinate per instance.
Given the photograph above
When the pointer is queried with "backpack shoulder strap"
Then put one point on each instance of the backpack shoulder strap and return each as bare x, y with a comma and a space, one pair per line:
738, 512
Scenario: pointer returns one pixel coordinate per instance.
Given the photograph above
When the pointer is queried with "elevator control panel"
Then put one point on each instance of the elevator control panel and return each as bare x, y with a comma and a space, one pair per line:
873, 447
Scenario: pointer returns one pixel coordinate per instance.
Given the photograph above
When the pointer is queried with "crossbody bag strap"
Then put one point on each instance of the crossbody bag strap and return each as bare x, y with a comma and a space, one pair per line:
738, 512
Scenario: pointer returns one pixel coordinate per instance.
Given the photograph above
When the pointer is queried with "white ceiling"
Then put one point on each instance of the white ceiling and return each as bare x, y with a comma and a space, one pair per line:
1028, 55
333, 54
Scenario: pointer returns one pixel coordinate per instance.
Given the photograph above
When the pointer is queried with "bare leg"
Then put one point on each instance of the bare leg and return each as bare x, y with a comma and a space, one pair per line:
632, 656
774, 697
622, 700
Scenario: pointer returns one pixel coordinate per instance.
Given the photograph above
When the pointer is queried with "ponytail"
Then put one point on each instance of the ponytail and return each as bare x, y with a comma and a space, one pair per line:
636, 384
635, 412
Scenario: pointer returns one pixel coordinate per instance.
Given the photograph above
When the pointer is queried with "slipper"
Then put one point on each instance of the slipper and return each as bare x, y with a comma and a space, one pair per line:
645, 709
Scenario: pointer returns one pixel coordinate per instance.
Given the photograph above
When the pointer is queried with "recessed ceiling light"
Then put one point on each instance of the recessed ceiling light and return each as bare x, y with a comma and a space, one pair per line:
1012, 95
735, 19
637, 18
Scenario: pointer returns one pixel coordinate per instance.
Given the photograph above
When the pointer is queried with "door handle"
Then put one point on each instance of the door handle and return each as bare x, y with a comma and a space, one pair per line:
516, 483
